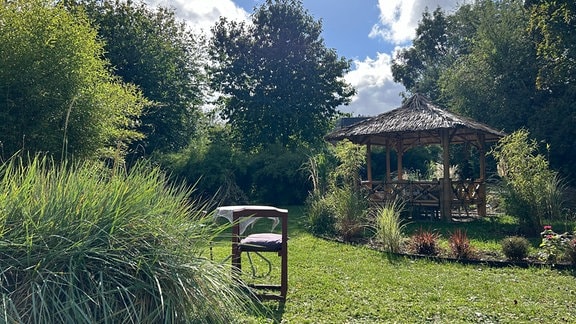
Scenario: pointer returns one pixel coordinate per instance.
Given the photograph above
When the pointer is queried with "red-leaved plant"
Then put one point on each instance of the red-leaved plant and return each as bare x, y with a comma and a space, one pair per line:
460, 245
425, 242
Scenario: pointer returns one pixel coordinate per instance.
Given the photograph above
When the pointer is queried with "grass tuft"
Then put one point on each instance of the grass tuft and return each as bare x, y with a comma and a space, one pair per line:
389, 227
81, 243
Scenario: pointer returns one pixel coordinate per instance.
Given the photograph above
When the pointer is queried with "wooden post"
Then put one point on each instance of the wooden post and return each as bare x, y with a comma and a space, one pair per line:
482, 190
388, 171
400, 151
446, 199
369, 164
236, 254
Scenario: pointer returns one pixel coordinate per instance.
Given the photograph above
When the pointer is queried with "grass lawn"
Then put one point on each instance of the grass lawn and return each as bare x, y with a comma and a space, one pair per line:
330, 282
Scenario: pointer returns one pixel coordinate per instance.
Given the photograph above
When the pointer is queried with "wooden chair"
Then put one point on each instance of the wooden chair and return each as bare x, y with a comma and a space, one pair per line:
244, 216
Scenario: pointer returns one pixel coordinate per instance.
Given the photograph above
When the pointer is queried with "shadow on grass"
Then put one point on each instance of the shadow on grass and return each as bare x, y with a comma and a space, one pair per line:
273, 310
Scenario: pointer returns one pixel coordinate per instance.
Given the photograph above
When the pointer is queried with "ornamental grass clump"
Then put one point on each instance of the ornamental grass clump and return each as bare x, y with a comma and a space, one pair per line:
81, 243
425, 242
515, 247
389, 227
460, 245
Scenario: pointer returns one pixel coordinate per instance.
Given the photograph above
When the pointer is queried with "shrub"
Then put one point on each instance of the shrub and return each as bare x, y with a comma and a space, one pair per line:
85, 244
515, 247
572, 251
425, 242
460, 245
533, 192
554, 246
389, 227
321, 219
350, 211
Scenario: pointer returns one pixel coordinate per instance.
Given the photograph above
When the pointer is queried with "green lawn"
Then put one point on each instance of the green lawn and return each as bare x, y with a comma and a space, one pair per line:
330, 282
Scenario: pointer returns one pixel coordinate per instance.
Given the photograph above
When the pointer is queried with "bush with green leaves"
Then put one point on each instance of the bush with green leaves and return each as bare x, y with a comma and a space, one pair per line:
389, 227
554, 247
336, 190
533, 192
515, 247
321, 219
81, 243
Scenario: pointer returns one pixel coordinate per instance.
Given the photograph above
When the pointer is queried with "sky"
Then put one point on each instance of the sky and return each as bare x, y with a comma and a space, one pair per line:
368, 32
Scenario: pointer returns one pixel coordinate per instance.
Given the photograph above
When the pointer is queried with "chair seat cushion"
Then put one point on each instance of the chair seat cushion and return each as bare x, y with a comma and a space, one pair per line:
267, 242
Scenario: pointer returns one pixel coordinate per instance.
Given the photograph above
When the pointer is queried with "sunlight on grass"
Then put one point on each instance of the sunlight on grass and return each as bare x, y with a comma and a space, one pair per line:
330, 282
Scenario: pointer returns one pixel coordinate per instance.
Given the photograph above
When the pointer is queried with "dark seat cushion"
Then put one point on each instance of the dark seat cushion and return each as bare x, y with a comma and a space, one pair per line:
268, 242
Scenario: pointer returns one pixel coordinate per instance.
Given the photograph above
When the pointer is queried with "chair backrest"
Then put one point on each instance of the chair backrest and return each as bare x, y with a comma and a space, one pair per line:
247, 215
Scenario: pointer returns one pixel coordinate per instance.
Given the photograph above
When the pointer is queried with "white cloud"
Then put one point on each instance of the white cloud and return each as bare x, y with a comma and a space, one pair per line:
202, 14
399, 18
376, 90
372, 78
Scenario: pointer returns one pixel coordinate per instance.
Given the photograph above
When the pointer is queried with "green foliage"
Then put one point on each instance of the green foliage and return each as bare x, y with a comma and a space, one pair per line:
343, 200
553, 124
460, 245
389, 227
425, 242
271, 175
553, 24
554, 247
418, 67
85, 244
351, 158
571, 251
219, 170
321, 219
57, 94
150, 48
319, 167
495, 82
280, 83
509, 64
276, 176
515, 247
351, 212
533, 190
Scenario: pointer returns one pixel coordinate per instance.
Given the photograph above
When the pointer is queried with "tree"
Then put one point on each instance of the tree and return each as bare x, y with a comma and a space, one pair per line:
279, 82
495, 82
553, 26
151, 49
440, 40
56, 93
553, 23
533, 190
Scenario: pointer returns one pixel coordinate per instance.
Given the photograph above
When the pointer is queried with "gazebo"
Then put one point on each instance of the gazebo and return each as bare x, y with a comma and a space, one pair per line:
419, 123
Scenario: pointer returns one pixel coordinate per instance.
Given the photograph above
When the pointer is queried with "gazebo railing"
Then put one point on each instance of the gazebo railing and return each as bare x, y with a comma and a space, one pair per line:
422, 193
427, 193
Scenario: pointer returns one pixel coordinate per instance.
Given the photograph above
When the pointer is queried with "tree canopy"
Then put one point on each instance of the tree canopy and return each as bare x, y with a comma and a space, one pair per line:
495, 81
554, 26
57, 94
279, 82
150, 48
506, 63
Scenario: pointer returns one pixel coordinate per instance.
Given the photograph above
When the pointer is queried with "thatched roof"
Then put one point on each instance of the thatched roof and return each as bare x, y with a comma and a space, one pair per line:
417, 122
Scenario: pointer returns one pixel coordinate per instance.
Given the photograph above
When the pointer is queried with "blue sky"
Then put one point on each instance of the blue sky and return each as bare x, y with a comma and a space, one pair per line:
368, 32
343, 25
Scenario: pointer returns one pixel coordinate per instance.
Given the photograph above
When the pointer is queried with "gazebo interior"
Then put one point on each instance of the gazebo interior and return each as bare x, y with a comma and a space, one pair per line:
420, 123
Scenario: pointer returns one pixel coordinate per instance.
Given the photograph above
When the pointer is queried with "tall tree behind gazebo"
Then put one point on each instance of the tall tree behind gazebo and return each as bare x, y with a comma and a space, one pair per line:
418, 122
